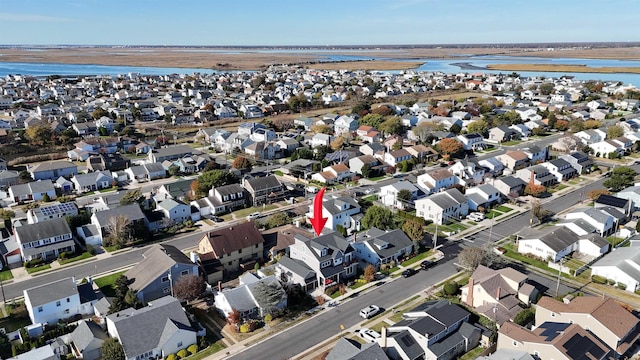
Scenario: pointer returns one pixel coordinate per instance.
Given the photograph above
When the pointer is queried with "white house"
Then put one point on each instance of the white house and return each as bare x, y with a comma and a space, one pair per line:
443, 207
321, 140
388, 194
601, 221
343, 211
606, 147
621, 265
471, 141
484, 195
243, 298
61, 299
561, 242
379, 247
436, 180
395, 157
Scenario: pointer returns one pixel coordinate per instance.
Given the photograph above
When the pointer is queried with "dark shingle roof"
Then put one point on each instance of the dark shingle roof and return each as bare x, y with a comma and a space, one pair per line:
233, 238
611, 201
42, 230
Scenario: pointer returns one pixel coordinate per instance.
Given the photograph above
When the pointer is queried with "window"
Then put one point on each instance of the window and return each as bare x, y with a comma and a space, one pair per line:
66, 311
230, 262
553, 314
165, 279
68, 300
256, 246
240, 251
39, 308
57, 303
515, 343
180, 344
184, 272
166, 290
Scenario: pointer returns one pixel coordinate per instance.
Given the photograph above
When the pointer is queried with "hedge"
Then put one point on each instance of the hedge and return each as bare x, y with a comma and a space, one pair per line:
182, 354
172, 357
599, 279
192, 349
622, 286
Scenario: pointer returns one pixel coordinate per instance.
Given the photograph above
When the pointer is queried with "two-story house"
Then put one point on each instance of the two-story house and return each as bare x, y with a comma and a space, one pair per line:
161, 267
436, 180
514, 159
472, 141
560, 168
468, 172
388, 194
579, 161
221, 199
485, 195
395, 157
537, 174
443, 207
52, 211
264, 190
225, 251
44, 239
59, 300
341, 211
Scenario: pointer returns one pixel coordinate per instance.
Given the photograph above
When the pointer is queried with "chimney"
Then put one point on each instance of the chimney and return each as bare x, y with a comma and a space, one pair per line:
219, 286
470, 293
383, 337
498, 294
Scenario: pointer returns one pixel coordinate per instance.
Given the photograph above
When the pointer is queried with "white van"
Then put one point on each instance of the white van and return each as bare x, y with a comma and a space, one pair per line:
369, 311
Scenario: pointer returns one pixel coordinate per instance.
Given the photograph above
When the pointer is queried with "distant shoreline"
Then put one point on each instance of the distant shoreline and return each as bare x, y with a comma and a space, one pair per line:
564, 68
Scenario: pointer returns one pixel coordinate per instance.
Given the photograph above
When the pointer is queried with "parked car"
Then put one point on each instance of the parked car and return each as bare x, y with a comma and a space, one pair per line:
409, 272
425, 265
369, 311
476, 216
254, 215
312, 189
370, 191
217, 219
369, 335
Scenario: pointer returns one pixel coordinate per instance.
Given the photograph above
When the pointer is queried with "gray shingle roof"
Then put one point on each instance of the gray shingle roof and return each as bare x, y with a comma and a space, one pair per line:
156, 263
42, 230
85, 333
144, 329
131, 212
52, 165
53, 291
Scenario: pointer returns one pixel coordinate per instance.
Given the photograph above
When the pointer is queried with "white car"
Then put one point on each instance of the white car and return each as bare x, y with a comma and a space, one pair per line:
476, 216
252, 216
369, 311
369, 335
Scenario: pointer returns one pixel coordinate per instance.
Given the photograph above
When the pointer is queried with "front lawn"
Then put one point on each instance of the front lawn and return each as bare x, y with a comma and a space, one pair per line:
84, 255
105, 283
504, 209
473, 354
614, 240
6, 275
416, 258
33, 270
244, 212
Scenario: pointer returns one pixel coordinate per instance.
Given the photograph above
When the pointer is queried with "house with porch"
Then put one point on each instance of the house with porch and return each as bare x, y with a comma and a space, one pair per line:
44, 239
59, 300
485, 196
341, 211
388, 194
561, 169
264, 190
443, 207
33, 191
379, 247
93, 181
247, 297
221, 199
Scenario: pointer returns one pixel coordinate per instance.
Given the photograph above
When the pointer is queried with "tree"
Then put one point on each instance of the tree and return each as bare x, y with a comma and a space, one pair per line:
378, 217
414, 230
38, 134
366, 170
278, 219
6, 214
469, 258
373, 120
524, 317
98, 113
383, 110
539, 131
614, 131
322, 129
189, 287
592, 124
546, 88
595, 194
268, 295
539, 212
119, 231
451, 288
5, 346
213, 178
337, 143
112, 349
449, 147
478, 126
234, 317
369, 273
404, 195
131, 197
241, 162
173, 170
621, 177
392, 125
534, 190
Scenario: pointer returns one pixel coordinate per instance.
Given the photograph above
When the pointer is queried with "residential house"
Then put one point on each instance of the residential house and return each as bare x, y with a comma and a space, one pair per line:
50, 211
341, 211
154, 331
553, 340
632, 193
345, 124
436, 329
264, 190
379, 247
624, 206
86, 340
536, 154
591, 136
503, 133
44, 239
603, 317
230, 249
498, 294
388, 194
93, 181
287, 146
330, 258
175, 211
443, 207
33, 191
579, 161
321, 139
221, 199
522, 130
146, 172
436, 180
468, 172
537, 174
493, 165
510, 186
423, 153
514, 159
103, 219
348, 349
485, 196
395, 157
560, 242
59, 300
160, 269
606, 147
248, 297
52, 170
178, 190
357, 163
374, 149
304, 122
108, 161
8, 178
170, 153
621, 265
604, 223
472, 141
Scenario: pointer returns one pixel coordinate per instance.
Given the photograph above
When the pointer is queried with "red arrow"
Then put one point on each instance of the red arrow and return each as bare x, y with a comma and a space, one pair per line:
317, 220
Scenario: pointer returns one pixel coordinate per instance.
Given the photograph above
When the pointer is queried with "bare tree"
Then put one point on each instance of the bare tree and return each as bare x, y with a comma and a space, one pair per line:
369, 273
539, 212
470, 258
189, 287
119, 230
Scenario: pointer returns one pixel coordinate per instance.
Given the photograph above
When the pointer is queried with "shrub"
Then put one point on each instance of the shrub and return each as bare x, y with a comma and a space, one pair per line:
611, 282
598, 279
33, 263
524, 317
192, 349
320, 299
451, 288
622, 286
244, 328
182, 354
268, 318
91, 250
172, 357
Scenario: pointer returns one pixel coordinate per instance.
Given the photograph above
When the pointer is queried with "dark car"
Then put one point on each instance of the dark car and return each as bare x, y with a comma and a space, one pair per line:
409, 272
425, 265
217, 219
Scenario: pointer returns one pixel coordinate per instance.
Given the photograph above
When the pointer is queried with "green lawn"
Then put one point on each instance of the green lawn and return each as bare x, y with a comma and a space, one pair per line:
377, 327
504, 209
453, 227
416, 258
473, 354
511, 143
6, 275
492, 214
105, 283
244, 212
614, 240
376, 178
213, 348
515, 255
84, 255
37, 269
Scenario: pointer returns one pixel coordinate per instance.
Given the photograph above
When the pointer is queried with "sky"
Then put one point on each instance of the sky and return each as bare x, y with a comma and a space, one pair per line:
320, 22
